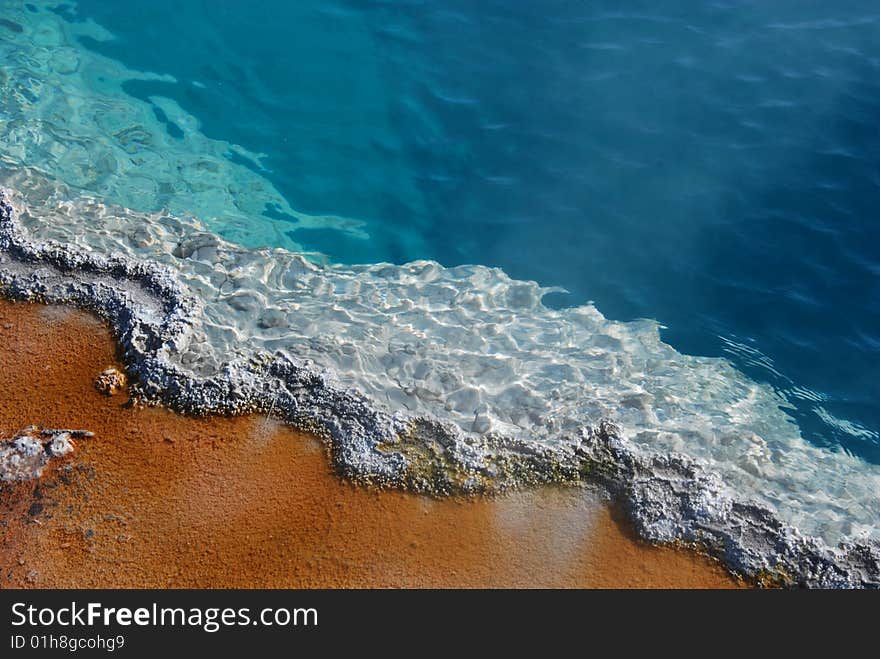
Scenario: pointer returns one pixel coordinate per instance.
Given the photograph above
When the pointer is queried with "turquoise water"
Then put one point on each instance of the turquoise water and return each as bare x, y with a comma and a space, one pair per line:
712, 166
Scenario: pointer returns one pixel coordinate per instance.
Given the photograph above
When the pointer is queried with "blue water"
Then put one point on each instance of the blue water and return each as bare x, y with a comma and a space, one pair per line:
712, 165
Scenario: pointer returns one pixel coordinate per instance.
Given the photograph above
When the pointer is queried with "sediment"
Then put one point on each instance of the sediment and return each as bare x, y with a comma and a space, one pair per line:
156, 499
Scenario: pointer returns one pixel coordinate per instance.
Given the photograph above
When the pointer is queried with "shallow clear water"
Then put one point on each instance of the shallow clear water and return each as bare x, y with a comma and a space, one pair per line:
713, 167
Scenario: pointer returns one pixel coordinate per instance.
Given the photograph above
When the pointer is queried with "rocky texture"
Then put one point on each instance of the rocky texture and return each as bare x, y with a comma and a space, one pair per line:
25, 456
110, 382
673, 499
472, 347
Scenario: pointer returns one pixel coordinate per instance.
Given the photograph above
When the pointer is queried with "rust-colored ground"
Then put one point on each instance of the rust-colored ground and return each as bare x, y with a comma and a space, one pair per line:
159, 500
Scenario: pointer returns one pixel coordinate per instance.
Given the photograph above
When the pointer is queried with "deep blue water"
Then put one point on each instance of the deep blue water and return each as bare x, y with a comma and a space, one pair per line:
712, 165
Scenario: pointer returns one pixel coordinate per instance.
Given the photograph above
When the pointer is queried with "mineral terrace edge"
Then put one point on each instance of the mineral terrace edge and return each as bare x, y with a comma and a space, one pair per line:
671, 498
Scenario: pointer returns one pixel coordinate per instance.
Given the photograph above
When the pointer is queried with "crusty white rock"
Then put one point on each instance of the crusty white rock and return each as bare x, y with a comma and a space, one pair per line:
24, 456
415, 439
